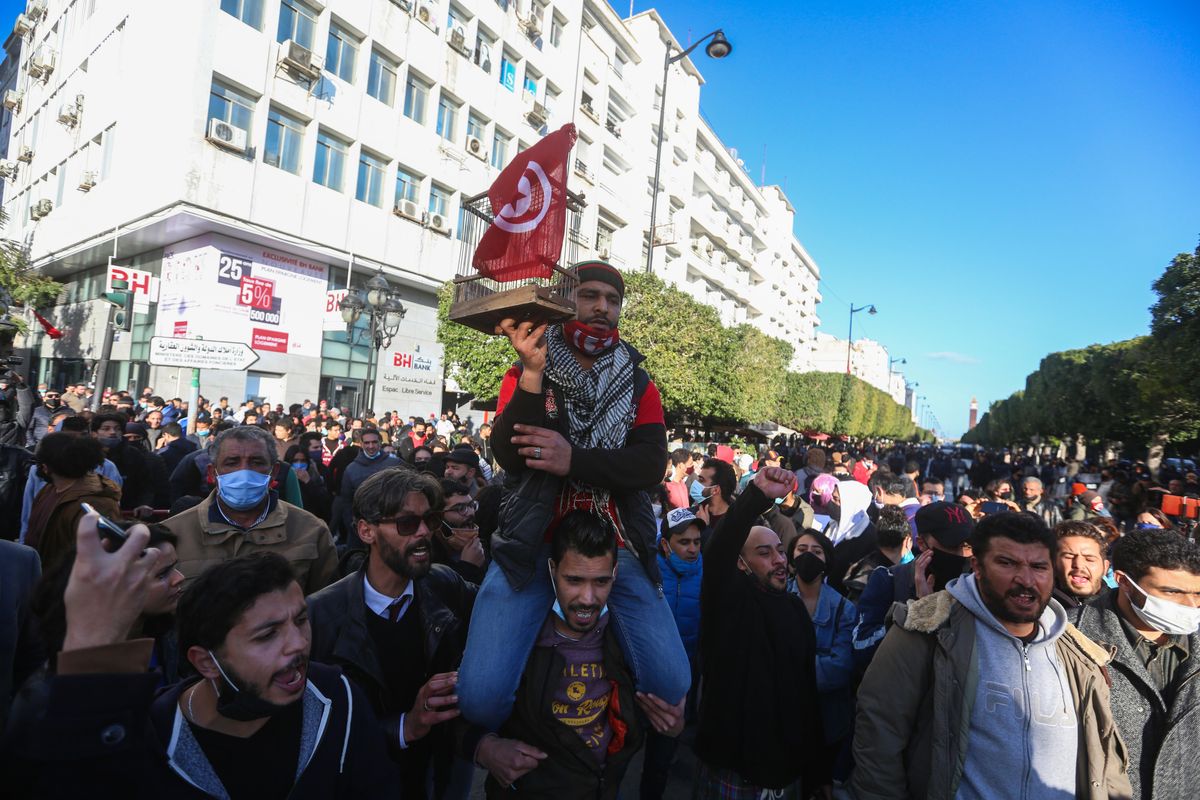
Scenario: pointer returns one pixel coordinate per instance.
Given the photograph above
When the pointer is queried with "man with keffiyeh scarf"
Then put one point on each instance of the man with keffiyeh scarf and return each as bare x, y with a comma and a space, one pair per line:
579, 424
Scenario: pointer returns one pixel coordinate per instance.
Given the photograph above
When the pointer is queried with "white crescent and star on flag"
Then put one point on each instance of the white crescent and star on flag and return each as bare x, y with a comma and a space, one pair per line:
520, 215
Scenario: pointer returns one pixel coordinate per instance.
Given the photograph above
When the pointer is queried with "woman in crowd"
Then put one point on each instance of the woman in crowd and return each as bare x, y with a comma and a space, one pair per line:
833, 618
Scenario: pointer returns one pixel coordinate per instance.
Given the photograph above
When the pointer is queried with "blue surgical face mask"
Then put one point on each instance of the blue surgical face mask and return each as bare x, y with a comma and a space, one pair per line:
202, 433
1148, 526
936, 498
696, 491
907, 557
370, 457
556, 608
242, 489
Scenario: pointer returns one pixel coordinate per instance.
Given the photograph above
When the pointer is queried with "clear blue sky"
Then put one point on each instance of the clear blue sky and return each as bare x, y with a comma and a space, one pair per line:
1002, 180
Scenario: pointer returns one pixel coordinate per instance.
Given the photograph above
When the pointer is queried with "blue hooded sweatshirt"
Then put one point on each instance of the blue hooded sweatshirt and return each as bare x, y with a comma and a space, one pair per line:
1023, 740
681, 586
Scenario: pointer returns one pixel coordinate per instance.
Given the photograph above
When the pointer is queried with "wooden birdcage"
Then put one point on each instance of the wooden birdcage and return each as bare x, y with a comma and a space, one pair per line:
481, 303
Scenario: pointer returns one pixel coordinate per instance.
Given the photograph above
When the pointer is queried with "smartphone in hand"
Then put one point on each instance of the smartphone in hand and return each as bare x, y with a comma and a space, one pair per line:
109, 530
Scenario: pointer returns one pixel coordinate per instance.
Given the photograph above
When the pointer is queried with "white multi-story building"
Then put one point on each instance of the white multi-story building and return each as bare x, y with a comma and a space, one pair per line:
869, 360
244, 161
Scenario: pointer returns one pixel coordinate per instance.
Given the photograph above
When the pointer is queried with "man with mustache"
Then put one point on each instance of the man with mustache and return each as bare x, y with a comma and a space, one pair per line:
986, 690
760, 729
398, 625
579, 425
574, 727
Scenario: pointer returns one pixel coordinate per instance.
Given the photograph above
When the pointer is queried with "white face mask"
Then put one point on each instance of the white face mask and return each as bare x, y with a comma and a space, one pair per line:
1163, 615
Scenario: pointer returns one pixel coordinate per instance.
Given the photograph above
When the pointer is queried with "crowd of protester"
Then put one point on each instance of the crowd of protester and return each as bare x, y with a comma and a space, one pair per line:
301, 602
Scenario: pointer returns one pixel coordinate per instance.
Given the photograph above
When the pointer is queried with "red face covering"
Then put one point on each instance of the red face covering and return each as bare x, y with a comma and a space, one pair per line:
589, 341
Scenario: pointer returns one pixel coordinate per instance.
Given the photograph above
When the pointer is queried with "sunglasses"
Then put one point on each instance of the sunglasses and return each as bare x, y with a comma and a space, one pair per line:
409, 524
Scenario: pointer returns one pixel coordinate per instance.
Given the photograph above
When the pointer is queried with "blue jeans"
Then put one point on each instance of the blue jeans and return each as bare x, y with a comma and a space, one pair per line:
505, 625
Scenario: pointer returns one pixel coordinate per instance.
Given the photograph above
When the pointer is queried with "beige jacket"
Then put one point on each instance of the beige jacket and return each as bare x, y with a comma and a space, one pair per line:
205, 539
915, 702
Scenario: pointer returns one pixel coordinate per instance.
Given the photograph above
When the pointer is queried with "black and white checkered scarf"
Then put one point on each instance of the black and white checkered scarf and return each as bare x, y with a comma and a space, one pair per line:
599, 401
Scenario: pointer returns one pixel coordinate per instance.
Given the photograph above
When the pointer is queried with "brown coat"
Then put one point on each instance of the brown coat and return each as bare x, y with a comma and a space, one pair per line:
53, 518
915, 702
292, 532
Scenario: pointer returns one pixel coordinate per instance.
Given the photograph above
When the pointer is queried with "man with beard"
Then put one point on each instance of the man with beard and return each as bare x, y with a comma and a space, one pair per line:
985, 690
579, 425
1080, 565
574, 727
1034, 501
760, 728
1150, 623
398, 625
943, 533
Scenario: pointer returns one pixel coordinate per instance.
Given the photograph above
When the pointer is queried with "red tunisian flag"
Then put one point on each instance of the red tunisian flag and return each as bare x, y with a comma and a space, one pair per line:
529, 212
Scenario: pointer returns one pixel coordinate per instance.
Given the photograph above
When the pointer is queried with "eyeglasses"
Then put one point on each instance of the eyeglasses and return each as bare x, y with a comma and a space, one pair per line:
408, 524
463, 508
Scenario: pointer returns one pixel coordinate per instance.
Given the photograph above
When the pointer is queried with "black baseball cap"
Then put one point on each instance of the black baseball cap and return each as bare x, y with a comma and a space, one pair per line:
949, 523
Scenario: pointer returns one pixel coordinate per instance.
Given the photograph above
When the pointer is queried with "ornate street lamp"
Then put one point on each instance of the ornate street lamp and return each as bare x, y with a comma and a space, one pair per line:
381, 303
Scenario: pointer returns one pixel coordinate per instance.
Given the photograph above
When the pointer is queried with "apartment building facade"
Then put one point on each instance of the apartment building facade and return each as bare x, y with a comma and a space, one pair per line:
243, 162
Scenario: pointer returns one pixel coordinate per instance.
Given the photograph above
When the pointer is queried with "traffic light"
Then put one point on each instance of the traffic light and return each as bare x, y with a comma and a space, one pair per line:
122, 298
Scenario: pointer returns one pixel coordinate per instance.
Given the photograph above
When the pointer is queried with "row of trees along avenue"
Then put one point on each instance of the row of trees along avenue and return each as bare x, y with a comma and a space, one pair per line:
1142, 392
708, 374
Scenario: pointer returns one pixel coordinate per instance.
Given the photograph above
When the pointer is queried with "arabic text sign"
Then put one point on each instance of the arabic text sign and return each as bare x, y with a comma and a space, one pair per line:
166, 351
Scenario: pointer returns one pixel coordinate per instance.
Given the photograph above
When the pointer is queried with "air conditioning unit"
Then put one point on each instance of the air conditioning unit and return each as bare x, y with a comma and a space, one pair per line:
36, 9
537, 114
40, 209
458, 40
87, 181
586, 108
68, 114
41, 63
409, 210
22, 26
475, 147
613, 128
222, 134
25, 154
12, 100
427, 16
439, 223
8, 169
533, 26
601, 252
299, 59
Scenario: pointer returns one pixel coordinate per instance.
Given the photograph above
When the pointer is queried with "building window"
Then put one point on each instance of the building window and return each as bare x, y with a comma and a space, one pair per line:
330, 162
381, 79
508, 71
551, 100
229, 105
371, 170
340, 53
285, 138
455, 19
475, 126
298, 22
447, 118
439, 200
248, 11
556, 30
408, 186
531, 86
604, 235
483, 52
500, 144
416, 94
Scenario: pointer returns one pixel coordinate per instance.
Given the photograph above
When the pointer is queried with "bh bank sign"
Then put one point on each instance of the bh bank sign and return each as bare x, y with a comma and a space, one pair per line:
410, 378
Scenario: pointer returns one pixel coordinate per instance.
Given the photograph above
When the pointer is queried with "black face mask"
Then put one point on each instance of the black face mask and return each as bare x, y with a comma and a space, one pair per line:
1005, 495
241, 705
945, 567
808, 566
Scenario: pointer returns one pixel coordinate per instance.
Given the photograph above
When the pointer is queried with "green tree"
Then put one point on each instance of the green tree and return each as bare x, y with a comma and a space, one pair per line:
476, 361
680, 339
1172, 386
754, 373
21, 284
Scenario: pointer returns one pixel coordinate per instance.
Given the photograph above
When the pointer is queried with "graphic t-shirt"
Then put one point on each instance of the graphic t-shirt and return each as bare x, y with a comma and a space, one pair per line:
581, 697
